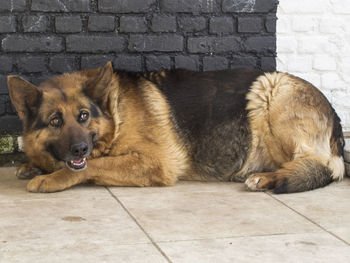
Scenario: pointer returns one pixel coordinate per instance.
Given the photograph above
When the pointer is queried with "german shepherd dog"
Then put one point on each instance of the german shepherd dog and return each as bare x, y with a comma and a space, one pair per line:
273, 131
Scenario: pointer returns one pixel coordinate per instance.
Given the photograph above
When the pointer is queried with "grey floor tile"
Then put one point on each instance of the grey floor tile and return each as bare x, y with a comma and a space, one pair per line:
341, 232
181, 187
222, 210
13, 189
328, 207
85, 224
69, 220
308, 248
82, 252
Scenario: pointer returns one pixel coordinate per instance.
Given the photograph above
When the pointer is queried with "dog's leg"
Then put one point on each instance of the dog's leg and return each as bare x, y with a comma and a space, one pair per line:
56, 181
256, 162
299, 175
28, 171
127, 170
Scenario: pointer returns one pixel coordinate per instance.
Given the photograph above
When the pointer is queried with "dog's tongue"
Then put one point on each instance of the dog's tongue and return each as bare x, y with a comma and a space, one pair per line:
78, 161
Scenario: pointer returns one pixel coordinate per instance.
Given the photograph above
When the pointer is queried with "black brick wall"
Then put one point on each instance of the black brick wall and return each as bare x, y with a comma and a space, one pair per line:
43, 38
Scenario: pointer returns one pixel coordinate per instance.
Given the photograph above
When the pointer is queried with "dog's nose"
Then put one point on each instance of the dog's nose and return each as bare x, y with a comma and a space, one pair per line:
79, 149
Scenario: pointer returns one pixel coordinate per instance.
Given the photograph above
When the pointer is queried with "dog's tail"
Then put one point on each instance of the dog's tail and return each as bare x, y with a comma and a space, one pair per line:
304, 174
311, 172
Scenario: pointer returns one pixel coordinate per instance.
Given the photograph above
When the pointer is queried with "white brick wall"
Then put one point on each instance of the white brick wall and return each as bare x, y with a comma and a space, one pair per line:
313, 42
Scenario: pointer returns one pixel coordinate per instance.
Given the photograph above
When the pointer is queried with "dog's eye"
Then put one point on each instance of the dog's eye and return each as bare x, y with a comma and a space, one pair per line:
56, 122
84, 116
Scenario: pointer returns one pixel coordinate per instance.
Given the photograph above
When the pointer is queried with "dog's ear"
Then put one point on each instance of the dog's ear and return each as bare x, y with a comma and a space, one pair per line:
97, 86
24, 96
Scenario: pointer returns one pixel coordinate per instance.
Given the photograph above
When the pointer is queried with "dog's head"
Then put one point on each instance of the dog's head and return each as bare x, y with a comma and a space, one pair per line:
64, 117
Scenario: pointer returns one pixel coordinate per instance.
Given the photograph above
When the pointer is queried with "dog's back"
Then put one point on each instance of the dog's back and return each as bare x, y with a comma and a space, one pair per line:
236, 123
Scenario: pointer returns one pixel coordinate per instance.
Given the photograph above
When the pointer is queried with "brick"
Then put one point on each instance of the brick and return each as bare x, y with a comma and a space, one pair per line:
37, 23
299, 64
221, 25
144, 43
13, 5
163, 23
244, 62
265, 6
192, 24
214, 63
5, 64
286, 44
324, 62
68, 24
187, 62
332, 81
91, 62
268, 64
261, 44
342, 98
213, 44
3, 85
2, 103
249, 6
312, 44
283, 25
61, 64
94, 44
20, 43
302, 7
344, 66
156, 63
125, 6
304, 23
7, 24
37, 80
270, 24
29, 64
128, 63
61, 5
250, 24
10, 124
282, 62
313, 78
189, 6
330, 25
132, 24
10, 109
101, 23
341, 7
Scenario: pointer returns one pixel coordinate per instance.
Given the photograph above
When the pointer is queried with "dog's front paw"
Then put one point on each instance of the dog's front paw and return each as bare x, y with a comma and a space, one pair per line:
260, 181
27, 171
41, 184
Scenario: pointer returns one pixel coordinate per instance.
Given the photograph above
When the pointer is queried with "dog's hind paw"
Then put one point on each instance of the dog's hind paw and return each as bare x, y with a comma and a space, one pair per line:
260, 182
27, 171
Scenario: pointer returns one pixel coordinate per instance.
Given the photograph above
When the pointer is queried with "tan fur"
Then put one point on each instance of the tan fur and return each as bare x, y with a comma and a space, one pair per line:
286, 127
137, 143
137, 147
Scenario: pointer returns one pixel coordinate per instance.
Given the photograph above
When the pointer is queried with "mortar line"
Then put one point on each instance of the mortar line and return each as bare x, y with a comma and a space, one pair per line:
139, 225
309, 219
